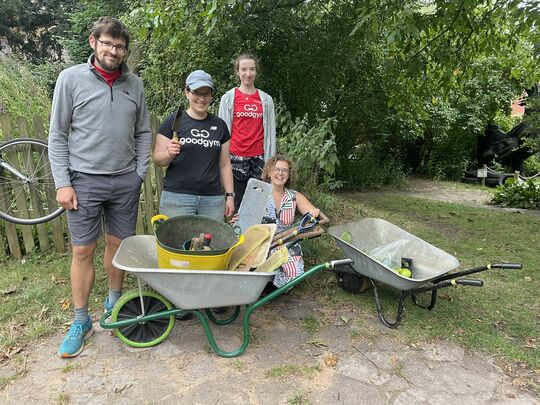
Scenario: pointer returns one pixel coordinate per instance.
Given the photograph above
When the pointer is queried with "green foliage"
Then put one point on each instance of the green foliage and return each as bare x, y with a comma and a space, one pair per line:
532, 121
81, 18
518, 194
417, 81
313, 148
531, 166
33, 28
368, 166
22, 94
506, 121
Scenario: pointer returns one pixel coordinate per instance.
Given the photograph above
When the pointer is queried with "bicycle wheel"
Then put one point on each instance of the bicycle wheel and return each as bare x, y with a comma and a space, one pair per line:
27, 192
148, 333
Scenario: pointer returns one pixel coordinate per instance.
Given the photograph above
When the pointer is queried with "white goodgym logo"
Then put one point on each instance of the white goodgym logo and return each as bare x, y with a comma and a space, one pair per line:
196, 133
250, 112
199, 138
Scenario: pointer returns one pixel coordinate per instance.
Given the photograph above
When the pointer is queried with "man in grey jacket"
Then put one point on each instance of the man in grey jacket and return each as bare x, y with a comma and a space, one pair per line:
99, 149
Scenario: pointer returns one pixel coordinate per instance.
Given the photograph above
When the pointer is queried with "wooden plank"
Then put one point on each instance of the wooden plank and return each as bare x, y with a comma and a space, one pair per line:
17, 190
158, 170
42, 229
11, 229
56, 224
148, 202
33, 162
39, 127
140, 222
11, 234
58, 233
2, 243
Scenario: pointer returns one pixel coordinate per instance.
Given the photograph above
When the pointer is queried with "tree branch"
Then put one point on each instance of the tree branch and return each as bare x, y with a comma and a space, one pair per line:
440, 34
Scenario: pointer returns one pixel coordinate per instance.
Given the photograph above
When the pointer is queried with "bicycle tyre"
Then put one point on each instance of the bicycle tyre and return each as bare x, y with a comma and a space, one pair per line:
31, 200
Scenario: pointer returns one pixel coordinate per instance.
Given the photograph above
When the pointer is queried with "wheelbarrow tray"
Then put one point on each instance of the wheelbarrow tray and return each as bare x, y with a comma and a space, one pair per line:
429, 262
188, 289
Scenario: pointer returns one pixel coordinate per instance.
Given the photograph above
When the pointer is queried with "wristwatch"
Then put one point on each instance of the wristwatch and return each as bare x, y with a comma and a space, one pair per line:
230, 195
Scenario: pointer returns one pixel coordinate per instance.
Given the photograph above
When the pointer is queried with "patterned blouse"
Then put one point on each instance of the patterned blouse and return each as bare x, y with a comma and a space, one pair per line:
283, 218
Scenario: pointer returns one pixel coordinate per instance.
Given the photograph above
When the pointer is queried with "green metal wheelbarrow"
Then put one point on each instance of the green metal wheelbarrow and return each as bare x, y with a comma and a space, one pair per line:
145, 317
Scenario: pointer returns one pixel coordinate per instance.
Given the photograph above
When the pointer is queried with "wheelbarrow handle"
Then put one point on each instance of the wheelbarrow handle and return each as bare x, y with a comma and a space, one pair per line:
341, 262
507, 266
470, 282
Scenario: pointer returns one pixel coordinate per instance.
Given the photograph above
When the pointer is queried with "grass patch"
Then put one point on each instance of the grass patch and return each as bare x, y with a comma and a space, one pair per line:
500, 318
311, 324
398, 368
6, 380
35, 297
299, 398
63, 399
293, 370
239, 365
70, 367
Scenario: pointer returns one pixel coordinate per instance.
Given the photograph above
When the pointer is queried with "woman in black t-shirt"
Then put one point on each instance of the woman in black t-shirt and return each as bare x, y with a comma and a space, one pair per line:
199, 170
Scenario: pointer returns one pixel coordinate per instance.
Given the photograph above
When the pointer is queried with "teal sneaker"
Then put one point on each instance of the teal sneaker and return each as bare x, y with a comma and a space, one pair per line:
73, 343
108, 307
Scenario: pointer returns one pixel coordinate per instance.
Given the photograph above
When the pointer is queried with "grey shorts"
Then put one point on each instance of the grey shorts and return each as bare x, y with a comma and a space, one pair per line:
113, 198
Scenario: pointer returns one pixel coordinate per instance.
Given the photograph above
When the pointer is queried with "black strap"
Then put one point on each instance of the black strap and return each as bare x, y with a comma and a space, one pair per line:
175, 127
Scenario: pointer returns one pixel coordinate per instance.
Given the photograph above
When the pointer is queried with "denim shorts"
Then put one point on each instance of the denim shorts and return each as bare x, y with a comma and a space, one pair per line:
115, 198
175, 204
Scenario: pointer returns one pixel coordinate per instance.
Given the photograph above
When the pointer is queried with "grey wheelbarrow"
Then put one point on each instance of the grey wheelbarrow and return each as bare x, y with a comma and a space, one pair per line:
383, 252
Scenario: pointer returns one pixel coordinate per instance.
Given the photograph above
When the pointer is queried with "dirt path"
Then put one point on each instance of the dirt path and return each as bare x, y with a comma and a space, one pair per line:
337, 364
350, 358
447, 192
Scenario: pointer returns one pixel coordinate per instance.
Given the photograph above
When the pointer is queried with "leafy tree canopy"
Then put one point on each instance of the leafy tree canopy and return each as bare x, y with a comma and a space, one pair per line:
33, 28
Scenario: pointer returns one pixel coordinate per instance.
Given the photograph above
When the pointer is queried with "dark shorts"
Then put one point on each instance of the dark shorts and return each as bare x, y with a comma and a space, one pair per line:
244, 168
113, 198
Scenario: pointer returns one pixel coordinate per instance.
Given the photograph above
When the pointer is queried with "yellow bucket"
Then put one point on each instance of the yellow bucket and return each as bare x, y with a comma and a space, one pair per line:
171, 235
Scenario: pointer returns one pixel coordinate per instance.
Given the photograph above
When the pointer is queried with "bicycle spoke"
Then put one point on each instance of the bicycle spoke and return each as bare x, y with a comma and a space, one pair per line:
33, 199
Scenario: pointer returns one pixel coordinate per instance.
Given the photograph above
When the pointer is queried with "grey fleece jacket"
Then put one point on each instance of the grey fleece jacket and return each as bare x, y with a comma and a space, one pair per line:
97, 129
226, 107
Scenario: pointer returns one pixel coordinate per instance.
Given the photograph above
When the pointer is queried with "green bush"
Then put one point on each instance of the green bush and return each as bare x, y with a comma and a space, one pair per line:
531, 166
312, 147
22, 94
367, 166
518, 194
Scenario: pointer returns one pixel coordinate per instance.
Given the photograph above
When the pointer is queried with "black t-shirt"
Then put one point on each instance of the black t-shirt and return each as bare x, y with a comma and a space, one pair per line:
195, 170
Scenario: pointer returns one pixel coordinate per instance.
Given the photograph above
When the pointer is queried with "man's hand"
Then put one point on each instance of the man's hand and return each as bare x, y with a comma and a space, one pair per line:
66, 197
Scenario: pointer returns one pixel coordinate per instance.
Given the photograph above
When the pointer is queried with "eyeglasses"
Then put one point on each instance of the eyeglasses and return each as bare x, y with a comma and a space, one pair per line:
279, 170
121, 49
206, 96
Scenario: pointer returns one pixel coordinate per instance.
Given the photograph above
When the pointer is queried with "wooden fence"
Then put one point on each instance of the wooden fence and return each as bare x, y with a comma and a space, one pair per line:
17, 240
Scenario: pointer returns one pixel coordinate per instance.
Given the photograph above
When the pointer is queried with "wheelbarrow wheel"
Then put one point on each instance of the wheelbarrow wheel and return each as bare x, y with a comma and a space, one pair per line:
146, 334
352, 283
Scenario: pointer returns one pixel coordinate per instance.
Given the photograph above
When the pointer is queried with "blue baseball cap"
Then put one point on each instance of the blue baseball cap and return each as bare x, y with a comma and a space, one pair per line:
198, 79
